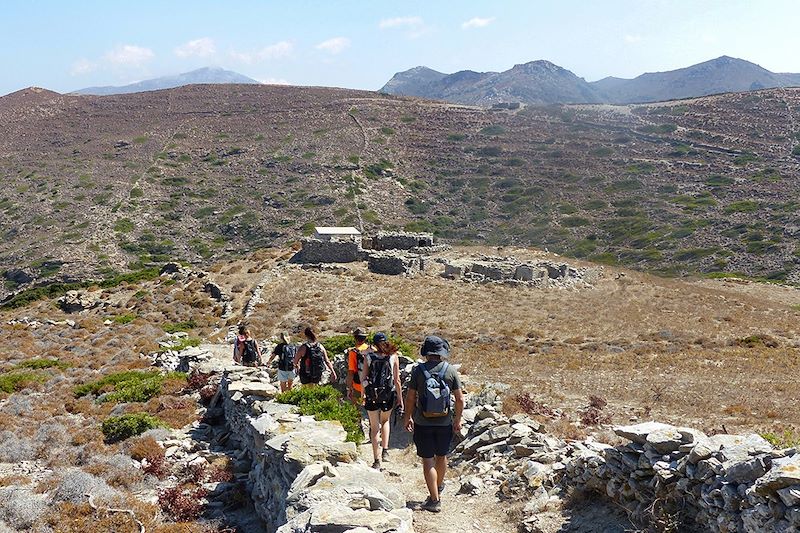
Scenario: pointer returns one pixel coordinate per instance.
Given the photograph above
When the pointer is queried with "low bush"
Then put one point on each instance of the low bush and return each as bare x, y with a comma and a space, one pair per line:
18, 380
180, 344
117, 428
182, 503
38, 364
325, 403
128, 386
179, 326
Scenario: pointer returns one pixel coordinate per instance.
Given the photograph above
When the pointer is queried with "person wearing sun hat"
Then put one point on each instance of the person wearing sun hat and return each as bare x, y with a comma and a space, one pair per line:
434, 417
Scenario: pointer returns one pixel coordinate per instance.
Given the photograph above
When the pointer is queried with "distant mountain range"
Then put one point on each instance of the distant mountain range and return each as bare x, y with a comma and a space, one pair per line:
201, 75
542, 82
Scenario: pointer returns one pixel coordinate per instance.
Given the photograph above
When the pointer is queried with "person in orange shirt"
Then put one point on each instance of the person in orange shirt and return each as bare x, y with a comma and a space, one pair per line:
355, 362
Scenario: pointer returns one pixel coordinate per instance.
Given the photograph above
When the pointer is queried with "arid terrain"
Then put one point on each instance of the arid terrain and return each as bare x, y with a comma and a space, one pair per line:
200, 173
720, 355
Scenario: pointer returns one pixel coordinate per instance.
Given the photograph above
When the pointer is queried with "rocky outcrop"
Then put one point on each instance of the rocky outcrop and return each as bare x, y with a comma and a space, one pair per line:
77, 301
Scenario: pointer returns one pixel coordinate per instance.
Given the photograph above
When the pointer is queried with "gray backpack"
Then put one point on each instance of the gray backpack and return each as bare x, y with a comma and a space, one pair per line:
434, 399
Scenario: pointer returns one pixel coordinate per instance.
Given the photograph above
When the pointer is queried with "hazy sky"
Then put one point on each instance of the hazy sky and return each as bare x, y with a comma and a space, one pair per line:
66, 45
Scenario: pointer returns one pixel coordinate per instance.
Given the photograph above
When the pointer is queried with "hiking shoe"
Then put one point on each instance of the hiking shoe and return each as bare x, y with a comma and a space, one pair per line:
432, 506
376, 465
385, 454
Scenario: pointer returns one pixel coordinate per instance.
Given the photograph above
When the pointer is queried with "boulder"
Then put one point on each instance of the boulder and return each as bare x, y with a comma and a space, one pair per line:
77, 301
784, 473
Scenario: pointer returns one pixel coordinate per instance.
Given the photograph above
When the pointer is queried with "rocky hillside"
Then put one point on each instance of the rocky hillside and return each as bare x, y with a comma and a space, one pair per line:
98, 185
199, 76
542, 82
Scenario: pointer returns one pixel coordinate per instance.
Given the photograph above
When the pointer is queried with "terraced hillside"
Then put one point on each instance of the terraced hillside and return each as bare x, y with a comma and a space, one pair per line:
95, 185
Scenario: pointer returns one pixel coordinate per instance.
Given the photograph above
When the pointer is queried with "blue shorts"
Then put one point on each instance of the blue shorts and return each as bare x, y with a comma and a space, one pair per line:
432, 440
285, 375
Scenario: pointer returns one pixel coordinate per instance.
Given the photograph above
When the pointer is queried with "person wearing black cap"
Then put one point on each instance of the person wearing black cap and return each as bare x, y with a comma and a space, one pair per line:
433, 419
382, 391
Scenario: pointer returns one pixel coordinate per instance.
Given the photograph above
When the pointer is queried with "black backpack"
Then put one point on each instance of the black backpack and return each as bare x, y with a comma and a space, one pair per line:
313, 363
286, 357
249, 351
381, 379
359, 364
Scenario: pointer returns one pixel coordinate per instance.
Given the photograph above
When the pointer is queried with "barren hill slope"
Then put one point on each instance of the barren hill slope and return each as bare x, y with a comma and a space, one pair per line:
101, 184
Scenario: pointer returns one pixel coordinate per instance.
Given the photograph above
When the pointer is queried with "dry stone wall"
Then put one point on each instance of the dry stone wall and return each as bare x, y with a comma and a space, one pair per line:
401, 241
509, 270
304, 476
317, 251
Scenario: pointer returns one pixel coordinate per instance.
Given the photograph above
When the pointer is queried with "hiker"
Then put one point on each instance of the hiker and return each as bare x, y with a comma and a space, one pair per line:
381, 380
285, 351
311, 360
246, 351
355, 363
434, 416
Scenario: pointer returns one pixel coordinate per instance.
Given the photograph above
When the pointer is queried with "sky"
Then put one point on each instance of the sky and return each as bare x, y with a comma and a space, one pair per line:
64, 45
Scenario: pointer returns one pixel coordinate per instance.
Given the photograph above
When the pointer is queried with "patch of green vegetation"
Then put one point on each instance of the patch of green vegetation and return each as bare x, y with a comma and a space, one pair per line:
768, 174
659, 128
179, 326
16, 380
625, 185
40, 364
694, 202
492, 130
141, 139
574, 222
456, 137
745, 158
203, 212
640, 168
309, 155
744, 206
117, 428
602, 151
387, 131
326, 403
416, 206
128, 386
693, 254
788, 438
136, 192
123, 225
124, 319
719, 181
407, 119
593, 205
354, 159
605, 258
681, 150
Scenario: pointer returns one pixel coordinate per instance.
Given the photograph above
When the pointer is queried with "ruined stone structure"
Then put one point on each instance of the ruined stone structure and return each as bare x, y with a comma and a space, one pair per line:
317, 251
485, 269
402, 241
395, 263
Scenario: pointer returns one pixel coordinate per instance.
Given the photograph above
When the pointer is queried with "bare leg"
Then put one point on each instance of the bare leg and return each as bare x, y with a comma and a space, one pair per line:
289, 384
385, 428
374, 427
431, 475
441, 468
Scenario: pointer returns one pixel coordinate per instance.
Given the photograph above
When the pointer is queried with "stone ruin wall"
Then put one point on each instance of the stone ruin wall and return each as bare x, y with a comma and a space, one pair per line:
304, 476
317, 251
488, 269
401, 241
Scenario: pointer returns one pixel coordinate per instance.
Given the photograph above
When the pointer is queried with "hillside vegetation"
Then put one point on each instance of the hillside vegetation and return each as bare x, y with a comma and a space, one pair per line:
202, 172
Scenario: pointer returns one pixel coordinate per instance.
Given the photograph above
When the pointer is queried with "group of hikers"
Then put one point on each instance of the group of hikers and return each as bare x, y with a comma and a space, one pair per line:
434, 397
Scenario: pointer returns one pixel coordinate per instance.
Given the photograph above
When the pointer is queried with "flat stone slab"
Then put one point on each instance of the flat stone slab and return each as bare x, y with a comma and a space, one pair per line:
638, 433
785, 472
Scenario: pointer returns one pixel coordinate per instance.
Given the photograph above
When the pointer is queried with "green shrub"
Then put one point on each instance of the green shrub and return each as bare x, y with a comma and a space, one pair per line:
123, 225
574, 222
38, 364
744, 206
181, 344
602, 151
456, 137
117, 428
719, 181
179, 326
14, 381
128, 386
660, 128
493, 130
788, 438
325, 403
136, 192
387, 131
124, 319
140, 139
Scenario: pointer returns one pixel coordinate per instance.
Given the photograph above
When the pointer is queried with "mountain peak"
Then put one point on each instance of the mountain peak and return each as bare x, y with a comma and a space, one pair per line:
213, 75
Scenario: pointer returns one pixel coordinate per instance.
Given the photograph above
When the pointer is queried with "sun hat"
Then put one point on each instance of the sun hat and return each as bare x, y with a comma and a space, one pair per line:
434, 345
360, 332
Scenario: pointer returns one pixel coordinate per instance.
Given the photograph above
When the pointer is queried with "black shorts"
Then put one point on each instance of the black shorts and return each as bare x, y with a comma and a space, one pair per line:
432, 440
371, 404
